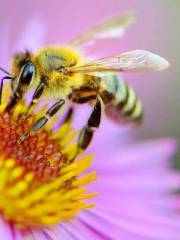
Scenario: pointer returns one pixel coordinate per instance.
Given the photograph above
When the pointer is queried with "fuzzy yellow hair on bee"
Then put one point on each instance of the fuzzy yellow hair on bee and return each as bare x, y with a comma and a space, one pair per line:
61, 72
49, 63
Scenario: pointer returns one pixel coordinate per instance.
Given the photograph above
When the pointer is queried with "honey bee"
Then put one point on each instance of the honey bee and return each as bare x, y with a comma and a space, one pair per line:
61, 72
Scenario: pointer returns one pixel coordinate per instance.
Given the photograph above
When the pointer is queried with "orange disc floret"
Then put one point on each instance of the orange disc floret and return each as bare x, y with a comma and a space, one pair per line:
39, 182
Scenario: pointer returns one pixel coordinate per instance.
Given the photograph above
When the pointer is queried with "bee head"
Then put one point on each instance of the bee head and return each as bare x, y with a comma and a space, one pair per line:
24, 72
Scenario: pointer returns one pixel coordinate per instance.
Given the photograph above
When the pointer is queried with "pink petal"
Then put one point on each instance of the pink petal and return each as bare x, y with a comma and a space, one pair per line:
143, 156
57, 232
37, 235
116, 228
77, 231
6, 232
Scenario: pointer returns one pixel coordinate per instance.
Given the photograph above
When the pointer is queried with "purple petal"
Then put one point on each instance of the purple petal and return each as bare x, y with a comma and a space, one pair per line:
77, 231
117, 228
57, 232
6, 232
133, 194
38, 235
145, 156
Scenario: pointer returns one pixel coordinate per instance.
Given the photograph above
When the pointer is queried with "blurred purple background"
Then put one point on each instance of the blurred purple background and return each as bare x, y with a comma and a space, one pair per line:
156, 29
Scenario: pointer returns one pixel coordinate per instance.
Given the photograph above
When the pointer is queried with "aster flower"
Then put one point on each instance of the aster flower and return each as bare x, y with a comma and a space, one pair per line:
43, 195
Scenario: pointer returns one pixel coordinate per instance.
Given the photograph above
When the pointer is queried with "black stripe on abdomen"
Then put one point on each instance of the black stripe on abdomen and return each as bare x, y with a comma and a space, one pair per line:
126, 106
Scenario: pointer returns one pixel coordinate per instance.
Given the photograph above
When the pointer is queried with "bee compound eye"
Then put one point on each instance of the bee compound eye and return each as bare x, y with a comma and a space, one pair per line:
27, 74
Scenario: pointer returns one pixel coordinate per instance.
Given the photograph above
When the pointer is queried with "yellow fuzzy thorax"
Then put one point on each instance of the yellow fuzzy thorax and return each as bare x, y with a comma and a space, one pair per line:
50, 58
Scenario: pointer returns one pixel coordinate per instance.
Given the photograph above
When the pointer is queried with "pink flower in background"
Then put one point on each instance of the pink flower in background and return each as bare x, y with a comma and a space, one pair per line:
134, 183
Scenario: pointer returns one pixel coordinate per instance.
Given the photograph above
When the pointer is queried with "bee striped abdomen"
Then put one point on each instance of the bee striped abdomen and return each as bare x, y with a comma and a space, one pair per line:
125, 106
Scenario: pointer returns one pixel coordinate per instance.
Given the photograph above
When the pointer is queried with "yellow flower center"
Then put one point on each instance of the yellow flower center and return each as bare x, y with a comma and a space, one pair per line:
39, 184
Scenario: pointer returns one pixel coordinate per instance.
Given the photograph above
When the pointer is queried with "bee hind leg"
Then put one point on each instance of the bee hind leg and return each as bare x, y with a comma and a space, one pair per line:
43, 120
87, 132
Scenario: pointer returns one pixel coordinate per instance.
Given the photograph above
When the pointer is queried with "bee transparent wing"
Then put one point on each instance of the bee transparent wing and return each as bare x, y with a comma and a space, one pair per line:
133, 61
113, 28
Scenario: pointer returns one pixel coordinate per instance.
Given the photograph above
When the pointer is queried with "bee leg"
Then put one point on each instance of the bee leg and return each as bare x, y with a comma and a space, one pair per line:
87, 132
13, 100
1, 86
69, 115
43, 120
37, 94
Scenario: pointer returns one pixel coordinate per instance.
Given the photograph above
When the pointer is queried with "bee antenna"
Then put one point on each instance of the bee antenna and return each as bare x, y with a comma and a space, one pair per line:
4, 71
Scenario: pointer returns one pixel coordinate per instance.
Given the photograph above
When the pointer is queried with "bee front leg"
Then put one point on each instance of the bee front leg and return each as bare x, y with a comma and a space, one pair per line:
13, 101
16, 97
37, 94
43, 120
69, 115
1, 86
87, 132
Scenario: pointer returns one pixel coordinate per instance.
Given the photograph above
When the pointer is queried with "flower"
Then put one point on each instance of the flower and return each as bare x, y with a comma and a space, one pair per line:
40, 186
39, 176
133, 185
